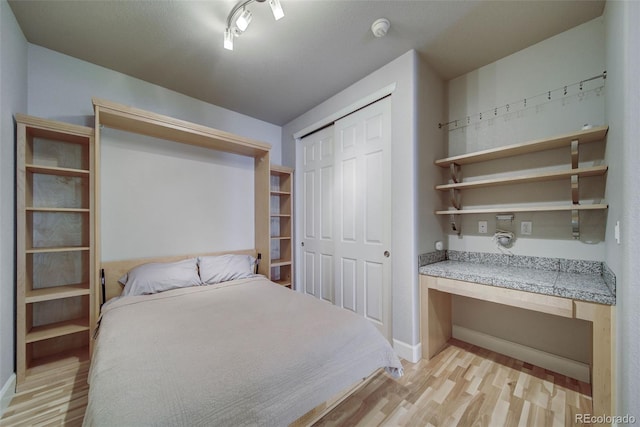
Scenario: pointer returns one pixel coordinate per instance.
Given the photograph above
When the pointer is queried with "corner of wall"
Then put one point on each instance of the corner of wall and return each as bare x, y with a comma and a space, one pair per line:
622, 107
6, 393
13, 81
430, 141
411, 353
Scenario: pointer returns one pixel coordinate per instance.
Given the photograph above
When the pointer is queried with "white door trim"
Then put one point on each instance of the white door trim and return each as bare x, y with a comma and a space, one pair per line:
371, 98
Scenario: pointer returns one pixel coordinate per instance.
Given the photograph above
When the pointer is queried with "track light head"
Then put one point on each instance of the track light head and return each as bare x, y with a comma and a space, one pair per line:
228, 39
244, 20
276, 8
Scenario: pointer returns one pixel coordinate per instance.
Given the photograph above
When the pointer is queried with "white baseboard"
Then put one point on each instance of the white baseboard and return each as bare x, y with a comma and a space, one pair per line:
412, 353
552, 362
7, 392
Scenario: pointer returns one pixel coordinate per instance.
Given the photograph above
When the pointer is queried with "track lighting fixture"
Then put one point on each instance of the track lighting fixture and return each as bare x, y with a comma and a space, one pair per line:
237, 27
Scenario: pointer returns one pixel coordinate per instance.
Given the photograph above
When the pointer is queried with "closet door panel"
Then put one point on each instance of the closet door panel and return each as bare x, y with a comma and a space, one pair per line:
318, 212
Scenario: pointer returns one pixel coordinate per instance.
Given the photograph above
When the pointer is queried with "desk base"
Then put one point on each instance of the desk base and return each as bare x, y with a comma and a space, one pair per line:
436, 324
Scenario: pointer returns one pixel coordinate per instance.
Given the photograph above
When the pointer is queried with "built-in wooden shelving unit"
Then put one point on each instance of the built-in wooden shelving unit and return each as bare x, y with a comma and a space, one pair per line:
281, 212
572, 174
55, 203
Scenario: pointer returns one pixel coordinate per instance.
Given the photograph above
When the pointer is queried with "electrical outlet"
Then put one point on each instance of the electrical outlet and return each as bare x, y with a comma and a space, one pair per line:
525, 228
482, 227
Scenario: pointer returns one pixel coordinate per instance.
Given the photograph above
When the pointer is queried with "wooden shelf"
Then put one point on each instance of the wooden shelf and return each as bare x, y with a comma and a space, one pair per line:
50, 170
59, 329
280, 215
281, 170
285, 283
57, 249
533, 177
280, 193
40, 369
506, 209
280, 262
60, 210
281, 237
57, 292
583, 136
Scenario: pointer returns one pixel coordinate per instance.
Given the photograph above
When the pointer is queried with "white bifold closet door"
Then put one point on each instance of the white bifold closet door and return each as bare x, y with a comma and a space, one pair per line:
347, 214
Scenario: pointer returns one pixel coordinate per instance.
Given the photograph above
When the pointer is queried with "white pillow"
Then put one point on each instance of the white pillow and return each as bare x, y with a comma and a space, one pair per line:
157, 277
222, 268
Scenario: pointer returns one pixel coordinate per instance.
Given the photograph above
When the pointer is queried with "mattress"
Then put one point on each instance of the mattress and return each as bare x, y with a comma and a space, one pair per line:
245, 352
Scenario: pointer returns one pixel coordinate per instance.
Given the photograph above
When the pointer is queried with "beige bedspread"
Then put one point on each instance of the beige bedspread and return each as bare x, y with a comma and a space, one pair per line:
246, 352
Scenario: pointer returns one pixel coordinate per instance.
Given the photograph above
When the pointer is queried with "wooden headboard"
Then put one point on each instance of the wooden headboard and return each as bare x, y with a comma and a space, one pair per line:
113, 270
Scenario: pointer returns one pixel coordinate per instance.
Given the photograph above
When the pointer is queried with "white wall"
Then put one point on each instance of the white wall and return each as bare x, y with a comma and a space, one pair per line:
13, 99
157, 197
403, 71
569, 57
623, 110
166, 198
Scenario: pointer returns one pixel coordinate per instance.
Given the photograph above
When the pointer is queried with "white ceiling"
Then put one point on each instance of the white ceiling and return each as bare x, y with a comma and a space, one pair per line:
281, 69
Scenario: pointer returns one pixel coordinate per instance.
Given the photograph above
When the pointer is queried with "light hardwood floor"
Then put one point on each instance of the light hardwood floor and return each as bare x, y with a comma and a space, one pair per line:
462, 386
58, 400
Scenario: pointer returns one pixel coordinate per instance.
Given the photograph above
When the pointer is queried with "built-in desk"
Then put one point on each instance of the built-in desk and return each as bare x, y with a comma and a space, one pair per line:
584, 296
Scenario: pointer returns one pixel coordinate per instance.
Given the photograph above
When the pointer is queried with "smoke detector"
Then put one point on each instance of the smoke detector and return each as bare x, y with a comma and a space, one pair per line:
380, 27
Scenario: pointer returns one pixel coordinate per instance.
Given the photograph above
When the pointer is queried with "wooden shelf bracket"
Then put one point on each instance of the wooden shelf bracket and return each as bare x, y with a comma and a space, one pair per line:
454, 197
575, 193
575, 223
454, 171
574, 154
455, 227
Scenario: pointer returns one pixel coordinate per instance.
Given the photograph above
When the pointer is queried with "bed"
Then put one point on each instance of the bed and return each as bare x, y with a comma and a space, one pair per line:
237, 351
